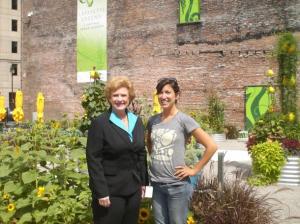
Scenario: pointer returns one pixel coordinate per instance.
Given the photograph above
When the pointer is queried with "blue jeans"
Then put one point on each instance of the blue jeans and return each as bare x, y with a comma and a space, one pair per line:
170, 202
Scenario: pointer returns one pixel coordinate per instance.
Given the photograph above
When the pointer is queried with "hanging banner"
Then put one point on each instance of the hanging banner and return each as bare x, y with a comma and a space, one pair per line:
257, 104
91, 39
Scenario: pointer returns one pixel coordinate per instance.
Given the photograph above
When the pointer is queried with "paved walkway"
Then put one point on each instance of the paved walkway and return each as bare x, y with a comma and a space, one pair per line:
285, 199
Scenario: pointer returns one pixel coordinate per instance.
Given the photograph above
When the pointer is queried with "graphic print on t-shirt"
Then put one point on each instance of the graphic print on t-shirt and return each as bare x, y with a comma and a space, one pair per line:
163, 145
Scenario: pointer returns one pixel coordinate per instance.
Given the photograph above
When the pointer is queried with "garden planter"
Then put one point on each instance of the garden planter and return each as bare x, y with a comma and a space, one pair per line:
290, 173
219, 137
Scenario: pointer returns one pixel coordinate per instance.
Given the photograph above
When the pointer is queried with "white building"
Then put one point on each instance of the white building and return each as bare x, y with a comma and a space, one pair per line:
10, 49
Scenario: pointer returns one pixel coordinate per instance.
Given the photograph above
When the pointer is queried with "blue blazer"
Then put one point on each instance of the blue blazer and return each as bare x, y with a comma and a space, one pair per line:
117, 166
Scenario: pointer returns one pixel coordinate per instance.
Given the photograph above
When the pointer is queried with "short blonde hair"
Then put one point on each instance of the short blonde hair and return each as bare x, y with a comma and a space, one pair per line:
117, 82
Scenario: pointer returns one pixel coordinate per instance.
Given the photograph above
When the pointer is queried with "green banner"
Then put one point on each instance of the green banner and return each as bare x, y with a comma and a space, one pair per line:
189, 11
257, 103
91, 39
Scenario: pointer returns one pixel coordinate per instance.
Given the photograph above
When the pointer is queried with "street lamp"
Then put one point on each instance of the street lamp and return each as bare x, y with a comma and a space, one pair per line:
13, 72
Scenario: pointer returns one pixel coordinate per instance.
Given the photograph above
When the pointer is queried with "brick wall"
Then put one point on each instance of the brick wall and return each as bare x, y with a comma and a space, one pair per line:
229, 49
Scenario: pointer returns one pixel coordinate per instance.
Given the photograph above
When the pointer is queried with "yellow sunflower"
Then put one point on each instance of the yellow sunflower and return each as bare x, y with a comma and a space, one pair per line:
190, 220
11, 207
5, 196
40, 191
144, 214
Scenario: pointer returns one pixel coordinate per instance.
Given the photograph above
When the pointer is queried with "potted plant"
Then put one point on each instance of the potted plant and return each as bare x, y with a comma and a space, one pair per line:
215, 117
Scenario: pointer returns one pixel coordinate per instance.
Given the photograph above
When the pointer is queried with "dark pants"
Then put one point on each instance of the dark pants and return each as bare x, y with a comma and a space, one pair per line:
123, 210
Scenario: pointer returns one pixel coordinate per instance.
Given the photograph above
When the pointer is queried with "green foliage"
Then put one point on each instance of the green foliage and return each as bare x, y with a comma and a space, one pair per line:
43, 175
216, 114
94, 103
192, 153
270, 126
287, 56
141, 108
267, 160
292, 131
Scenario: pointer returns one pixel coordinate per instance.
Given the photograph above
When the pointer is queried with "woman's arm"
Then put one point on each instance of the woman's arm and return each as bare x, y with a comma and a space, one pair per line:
210, 148
149, 143
94, 158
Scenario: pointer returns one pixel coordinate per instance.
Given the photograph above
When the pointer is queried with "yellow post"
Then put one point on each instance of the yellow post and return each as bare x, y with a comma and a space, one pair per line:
18, 114
2, 108
156, 106
40, 101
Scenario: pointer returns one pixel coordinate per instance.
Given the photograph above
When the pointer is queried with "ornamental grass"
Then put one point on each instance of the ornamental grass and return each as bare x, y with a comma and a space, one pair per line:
236, 203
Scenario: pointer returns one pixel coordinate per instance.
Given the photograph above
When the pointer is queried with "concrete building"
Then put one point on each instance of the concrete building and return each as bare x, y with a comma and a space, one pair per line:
229, 49
10, 49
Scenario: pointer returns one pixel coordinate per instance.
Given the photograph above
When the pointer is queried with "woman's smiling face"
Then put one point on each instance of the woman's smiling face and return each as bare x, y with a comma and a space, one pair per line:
167, 97
119, 99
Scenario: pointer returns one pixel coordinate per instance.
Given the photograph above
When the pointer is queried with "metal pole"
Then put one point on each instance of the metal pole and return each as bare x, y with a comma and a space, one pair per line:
221, 170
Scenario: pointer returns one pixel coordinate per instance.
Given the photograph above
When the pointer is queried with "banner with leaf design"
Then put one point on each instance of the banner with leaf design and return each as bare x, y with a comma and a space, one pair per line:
257, 103
91, 39
189, 11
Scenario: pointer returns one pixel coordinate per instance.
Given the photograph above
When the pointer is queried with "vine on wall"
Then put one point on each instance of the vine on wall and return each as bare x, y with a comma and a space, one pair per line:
287, 56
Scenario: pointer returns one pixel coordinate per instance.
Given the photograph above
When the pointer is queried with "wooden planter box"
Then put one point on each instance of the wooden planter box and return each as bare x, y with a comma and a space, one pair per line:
290, 173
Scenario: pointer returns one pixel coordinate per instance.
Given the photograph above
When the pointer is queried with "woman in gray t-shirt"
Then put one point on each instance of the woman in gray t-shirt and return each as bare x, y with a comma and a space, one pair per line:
166, 140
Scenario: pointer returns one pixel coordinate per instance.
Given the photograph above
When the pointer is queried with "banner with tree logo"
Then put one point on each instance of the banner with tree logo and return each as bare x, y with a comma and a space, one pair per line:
91, 39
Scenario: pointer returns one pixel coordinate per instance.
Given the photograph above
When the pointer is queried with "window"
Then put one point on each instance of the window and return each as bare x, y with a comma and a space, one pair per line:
14, 4
14, 25
189, 11
14, 47
14, 69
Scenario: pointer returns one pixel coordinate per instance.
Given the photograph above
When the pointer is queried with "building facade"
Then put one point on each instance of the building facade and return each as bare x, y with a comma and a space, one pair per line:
228, 49
10, 49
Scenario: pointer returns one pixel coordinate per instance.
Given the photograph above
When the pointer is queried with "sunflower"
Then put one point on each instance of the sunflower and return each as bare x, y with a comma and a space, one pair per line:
144, 214
40, 191
5, 196
190, 220
11, 207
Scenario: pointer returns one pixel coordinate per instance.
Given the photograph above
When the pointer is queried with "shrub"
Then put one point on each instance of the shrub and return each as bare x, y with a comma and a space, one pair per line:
231, 132
94, 103
236, 203
267, 160
216, 114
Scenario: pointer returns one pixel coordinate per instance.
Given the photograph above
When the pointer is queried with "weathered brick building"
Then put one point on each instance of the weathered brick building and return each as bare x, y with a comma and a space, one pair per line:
228, 50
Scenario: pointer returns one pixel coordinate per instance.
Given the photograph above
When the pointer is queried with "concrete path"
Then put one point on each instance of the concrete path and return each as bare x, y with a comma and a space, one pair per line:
283, 198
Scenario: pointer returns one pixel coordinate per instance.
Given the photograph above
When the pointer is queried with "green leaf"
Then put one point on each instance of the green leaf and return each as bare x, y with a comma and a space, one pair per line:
5, 216
25, 218
26, 146
77, 154
83, 141
21, 203
4, 171
10, 186
29, 176
39, 215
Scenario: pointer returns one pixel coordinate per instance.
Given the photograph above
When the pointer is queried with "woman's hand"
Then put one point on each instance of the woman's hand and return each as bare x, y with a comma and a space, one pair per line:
184, 171
104, 202
143, 190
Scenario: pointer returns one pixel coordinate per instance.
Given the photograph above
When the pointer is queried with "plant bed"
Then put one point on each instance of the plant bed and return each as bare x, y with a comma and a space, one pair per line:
236, 203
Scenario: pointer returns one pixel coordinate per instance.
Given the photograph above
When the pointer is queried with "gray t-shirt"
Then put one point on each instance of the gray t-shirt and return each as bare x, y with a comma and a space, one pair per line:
168, 145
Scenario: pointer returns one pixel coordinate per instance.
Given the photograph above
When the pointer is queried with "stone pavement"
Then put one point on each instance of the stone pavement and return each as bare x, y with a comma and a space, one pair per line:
285, 199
